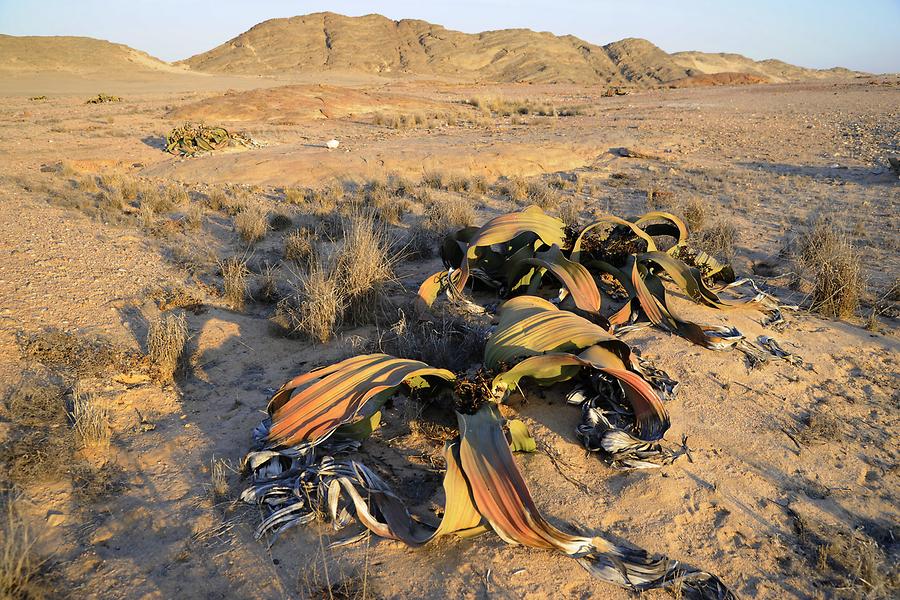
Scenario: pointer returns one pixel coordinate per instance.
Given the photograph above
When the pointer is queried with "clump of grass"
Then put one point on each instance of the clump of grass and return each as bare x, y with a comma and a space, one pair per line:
827, 254
542, 195
435, 180
218, 471
515, 189
20, 566
90, 422
268, 284
176, 195
299, 246
570, 212
153, 200
718, 240
365, 263
695, 211
166, 338
295, 196
193, 216
234, 280
251, 224
217, 200
398, 185
88, 184
325, 199
443, 216
447, 342
316, 305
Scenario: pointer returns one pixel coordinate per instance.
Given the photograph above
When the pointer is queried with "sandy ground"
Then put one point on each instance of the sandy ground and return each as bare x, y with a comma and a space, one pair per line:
767, 488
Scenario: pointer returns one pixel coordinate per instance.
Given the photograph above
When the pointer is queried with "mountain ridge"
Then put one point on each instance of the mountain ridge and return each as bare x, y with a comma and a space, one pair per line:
375, 45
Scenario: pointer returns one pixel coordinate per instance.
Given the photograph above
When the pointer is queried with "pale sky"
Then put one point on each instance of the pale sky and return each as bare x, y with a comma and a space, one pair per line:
858, 34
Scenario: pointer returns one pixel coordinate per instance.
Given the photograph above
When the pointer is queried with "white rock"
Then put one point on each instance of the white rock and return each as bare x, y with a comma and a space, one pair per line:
332, 144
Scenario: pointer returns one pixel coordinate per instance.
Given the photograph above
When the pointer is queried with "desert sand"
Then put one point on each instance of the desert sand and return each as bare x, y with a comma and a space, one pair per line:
791, 489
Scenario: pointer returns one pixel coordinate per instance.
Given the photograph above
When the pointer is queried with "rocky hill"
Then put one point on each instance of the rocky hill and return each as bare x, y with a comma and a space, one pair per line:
376, 45
74, 55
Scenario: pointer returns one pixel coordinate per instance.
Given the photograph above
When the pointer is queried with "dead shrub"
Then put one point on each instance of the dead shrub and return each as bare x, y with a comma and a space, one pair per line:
251, 224
365, 264
35, 401
570, 212
826, 253
658, 199
316, 305
234, 280
268, 285
299, 246
20, 565
39, 447
90, 422
448, 342
695, 211
542, 195
443, 215
515, 189
75, 355
166, 339
718, 240
434, 179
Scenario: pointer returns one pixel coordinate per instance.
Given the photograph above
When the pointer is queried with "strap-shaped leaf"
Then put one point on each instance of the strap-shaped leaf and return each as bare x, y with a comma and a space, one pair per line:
532, 220
310, 407
530, 326
573, 276
651, 416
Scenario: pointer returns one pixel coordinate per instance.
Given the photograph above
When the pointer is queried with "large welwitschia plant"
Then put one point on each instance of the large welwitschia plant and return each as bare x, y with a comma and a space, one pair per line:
306, 470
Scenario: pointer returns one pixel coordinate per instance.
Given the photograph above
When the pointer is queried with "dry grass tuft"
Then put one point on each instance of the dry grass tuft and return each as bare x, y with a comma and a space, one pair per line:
268, 285
448, 342
826, 253
570, 212
718, 240
695, 211
515, 189
234, 280
365, 264
299, 246
193, 216
90, 422
20, 566
444, 216
166, 338
435, 180
218, 471
542, 195
153, 200
316, 306
251, 224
